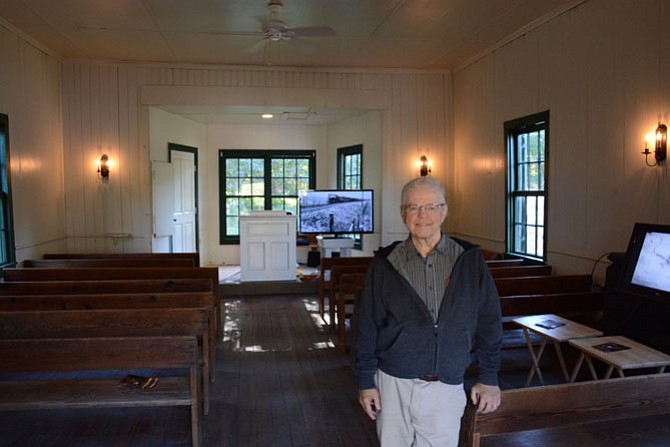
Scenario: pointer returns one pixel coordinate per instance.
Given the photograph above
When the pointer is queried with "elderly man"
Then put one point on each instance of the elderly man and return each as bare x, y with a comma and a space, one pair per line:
429, 307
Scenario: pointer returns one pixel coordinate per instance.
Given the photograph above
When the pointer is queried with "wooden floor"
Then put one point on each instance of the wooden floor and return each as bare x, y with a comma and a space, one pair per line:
281, 382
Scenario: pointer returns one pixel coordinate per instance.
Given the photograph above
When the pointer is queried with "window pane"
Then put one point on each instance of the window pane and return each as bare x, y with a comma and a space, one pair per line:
291, 187
531, 209
258, 203
303, 168
232, 187
245, 206
233, 206
258, 187
303, 184
245, 187
231, 167
232, 226
290, 167
291, 205
277, 186
258, 167
277, 167
522, 148
244, 167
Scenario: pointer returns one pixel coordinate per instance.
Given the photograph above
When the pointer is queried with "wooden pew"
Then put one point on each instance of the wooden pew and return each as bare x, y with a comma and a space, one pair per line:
107, 356
564, 304
517, 271
13, 303
349, 285
115, 323
115, 287
543, 284
195, 257
324, 274
563, 405
127, 273
108, 263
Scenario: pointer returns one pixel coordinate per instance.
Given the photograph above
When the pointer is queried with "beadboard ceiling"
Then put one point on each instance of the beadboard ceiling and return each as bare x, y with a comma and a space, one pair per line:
396, 34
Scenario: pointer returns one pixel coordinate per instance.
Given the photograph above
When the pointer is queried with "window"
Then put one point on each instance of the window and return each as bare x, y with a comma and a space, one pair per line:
7, 252
260, 180
527, 143
350, 176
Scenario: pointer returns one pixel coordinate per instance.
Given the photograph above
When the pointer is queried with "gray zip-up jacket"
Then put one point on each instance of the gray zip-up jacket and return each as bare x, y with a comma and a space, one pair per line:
397, 334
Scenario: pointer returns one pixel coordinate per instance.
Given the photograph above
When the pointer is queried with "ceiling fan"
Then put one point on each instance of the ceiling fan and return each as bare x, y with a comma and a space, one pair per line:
275, 30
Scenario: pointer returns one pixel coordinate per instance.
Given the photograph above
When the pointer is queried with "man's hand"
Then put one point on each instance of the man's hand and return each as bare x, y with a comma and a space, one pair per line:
369, 400
486, 397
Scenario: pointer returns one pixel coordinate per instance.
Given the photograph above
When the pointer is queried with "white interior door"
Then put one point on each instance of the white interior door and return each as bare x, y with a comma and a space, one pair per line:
184, 202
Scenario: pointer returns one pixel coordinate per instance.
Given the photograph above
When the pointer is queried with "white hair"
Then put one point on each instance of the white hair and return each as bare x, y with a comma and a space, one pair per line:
430, 182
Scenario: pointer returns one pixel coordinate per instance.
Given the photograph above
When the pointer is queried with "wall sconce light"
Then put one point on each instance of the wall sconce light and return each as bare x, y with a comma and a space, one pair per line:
424, 166
661, 146
103, 167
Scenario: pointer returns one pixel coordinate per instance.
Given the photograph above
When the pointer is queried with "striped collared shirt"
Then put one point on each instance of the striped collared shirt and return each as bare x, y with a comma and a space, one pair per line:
428, 276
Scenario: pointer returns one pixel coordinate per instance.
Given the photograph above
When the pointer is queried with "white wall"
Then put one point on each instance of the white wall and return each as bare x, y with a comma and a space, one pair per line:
365, 129
30, 94
602, 69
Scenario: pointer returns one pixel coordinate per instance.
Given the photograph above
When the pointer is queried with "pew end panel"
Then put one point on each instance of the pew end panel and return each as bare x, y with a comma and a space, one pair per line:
112, 355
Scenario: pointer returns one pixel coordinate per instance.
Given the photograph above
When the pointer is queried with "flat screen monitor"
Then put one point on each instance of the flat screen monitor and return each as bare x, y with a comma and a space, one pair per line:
647, 263
336, 211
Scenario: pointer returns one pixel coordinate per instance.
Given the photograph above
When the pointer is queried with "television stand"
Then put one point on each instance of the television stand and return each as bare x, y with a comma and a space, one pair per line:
329, 244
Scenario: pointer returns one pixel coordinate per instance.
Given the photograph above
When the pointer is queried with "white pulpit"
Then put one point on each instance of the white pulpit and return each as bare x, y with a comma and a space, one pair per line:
267, 246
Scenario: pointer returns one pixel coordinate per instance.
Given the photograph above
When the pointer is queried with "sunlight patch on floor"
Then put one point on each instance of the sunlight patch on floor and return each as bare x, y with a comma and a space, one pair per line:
232, 331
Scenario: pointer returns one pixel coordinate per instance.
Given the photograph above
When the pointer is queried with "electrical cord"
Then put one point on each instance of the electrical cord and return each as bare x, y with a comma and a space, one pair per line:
595, 265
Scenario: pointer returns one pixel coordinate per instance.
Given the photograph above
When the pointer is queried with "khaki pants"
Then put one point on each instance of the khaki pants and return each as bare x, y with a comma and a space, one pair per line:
416, 413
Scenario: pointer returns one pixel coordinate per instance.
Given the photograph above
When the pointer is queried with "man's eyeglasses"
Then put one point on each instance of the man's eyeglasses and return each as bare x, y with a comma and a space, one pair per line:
430, 208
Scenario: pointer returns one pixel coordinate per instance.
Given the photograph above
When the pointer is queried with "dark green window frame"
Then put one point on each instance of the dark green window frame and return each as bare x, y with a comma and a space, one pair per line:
350, 176
527, 141
260, 180
7, 247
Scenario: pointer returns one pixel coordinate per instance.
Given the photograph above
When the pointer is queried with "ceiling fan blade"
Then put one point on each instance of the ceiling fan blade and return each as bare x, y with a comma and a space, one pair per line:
313, 31
301, 45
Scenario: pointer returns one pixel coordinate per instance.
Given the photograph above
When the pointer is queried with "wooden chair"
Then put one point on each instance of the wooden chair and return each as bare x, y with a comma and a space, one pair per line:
335, 273
348, 287
324, 275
